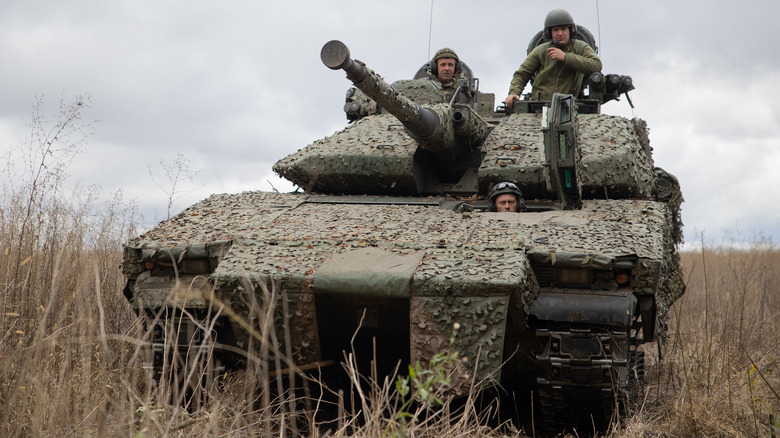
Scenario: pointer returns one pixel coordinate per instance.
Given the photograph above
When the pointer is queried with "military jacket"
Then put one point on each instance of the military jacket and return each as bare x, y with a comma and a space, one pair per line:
555, 76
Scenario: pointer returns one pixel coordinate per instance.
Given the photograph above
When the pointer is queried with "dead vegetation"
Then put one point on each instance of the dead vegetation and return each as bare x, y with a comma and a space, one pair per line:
71, 362
721, 372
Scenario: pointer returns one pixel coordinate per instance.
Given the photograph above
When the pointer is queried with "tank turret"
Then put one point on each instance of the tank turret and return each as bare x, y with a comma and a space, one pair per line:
447, 148
436, 127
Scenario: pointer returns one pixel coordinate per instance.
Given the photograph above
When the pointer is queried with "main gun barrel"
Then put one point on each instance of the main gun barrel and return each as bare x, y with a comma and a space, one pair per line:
432, 126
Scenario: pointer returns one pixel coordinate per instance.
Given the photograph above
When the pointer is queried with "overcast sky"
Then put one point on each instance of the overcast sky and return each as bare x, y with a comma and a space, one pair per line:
236, 85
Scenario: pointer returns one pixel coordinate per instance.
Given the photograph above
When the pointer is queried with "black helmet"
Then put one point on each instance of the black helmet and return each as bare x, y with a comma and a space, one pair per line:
559, 17
444, 53
506, 187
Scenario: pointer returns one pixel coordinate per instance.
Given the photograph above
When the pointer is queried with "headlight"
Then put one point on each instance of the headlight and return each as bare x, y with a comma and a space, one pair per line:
577, 278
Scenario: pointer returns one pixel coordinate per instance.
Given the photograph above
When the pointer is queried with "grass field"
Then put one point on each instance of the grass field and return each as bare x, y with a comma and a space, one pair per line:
71, 356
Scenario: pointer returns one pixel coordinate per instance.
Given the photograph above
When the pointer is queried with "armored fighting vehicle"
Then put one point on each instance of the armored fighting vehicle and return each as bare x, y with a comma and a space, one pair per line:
392, 245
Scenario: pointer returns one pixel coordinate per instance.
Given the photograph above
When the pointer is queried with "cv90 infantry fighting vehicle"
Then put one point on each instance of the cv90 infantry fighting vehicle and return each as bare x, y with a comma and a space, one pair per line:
391, 244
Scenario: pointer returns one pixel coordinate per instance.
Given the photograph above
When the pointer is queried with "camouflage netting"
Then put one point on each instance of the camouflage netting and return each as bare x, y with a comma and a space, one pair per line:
375, 155
356, 158
623, 226
615, 158
422, 91
426, 91
472, 266
514, 152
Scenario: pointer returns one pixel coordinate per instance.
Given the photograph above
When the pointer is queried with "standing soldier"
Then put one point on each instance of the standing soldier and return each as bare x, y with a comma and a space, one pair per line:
560, 65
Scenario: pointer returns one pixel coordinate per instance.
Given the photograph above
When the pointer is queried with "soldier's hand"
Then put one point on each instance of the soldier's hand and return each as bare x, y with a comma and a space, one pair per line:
555, 54
510, 100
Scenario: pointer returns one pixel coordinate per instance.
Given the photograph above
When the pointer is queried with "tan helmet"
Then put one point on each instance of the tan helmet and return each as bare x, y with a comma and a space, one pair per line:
444, 53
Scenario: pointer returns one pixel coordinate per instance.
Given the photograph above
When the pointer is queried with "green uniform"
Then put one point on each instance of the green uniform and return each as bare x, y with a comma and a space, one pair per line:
448, 89
555, 76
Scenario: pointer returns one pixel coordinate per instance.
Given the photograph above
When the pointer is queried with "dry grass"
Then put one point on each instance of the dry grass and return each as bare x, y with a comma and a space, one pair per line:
721, 372
71, 356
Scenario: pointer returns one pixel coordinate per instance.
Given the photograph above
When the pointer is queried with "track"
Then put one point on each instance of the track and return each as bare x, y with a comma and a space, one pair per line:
589, 375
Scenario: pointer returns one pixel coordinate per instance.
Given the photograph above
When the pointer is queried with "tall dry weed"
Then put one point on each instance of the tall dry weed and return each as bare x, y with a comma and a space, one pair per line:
720, 375
62, 355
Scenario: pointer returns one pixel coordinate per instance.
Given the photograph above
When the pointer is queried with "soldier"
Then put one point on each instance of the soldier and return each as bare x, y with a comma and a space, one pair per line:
445, 65
445, 68
505, 196
436, 82
560, 65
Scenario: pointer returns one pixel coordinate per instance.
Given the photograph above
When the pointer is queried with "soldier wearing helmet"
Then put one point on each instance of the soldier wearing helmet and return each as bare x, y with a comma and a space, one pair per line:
560, 65
445, 65
437, 81
505, 196
445, 70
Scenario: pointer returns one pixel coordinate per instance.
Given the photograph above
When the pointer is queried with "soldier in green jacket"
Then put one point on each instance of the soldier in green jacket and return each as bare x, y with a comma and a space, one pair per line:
560, 65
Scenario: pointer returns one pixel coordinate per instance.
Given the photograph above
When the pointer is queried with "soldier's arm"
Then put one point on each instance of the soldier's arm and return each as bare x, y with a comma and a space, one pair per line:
587, 62
524, 74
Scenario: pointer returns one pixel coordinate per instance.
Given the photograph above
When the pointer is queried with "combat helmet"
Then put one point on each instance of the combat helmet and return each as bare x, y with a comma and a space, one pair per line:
444, 53
506, 187
559, 17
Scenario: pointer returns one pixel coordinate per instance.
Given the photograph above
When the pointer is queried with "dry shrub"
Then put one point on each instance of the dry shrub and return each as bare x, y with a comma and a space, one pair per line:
720, 374
65, 350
